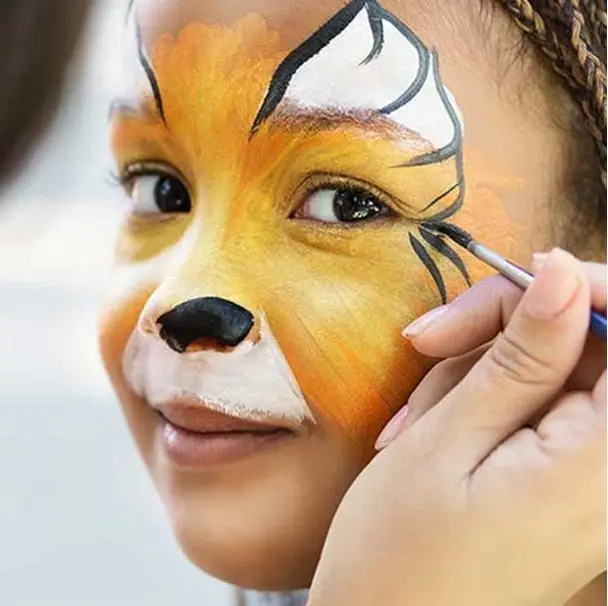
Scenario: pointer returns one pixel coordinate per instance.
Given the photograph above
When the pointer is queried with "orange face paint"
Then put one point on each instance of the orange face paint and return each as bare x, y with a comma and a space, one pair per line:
335, 295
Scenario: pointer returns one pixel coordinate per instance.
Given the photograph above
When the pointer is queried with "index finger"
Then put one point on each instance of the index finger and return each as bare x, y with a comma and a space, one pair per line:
524, 368
480, 313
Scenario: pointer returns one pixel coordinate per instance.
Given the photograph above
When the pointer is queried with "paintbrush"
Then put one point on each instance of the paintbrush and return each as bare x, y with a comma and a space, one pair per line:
509, 270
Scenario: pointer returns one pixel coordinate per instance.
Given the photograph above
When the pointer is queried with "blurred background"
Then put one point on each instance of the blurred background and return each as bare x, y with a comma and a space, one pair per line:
80, 524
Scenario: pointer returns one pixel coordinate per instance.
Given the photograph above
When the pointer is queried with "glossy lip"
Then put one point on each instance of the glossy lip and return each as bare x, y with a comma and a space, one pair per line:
194, 436
200, 416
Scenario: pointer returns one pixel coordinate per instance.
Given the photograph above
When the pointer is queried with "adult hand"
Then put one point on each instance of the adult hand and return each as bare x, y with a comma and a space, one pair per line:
493, 488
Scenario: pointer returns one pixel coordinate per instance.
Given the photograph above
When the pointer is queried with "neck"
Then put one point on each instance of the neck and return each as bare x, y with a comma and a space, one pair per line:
274, 598
593, 594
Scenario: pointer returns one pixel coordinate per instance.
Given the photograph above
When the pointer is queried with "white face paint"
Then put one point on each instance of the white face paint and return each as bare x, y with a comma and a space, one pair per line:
373, 63
134, 83
338, 76
252, 382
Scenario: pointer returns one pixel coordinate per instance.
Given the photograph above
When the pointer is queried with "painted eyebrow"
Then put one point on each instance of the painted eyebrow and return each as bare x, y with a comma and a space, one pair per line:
149, 71
133, 107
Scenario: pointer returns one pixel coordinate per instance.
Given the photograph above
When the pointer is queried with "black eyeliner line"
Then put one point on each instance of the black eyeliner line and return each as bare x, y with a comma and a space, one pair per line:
428, 262
143, 59
377, 28
296, 58
442, 247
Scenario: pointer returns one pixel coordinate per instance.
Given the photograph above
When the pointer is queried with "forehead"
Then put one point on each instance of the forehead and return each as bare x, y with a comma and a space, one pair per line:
363, 58
295, 20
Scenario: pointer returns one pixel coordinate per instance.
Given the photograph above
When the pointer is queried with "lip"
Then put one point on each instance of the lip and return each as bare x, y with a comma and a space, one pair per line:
194, 436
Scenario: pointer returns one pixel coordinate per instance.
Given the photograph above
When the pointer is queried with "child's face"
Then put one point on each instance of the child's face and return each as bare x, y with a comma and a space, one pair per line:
280, 175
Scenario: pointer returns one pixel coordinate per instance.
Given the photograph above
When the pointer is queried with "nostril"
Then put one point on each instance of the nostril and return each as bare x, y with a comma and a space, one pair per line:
211, 320
172, 341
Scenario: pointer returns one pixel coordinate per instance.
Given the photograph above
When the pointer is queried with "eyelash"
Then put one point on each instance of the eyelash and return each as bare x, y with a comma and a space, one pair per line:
319, 181
149, 168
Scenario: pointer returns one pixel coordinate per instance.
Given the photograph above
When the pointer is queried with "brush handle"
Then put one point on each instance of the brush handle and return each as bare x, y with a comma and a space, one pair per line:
523, 279
597, 325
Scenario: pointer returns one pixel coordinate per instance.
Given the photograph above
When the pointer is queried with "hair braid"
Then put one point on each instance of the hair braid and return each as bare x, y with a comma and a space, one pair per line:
572, 33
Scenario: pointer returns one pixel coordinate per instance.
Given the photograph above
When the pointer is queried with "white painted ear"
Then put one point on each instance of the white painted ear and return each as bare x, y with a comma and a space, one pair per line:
134, 83
338, 76
364, 58
432, 112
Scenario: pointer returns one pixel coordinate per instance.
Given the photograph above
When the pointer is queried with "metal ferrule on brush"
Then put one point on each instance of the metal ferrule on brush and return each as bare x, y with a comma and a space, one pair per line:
516, 274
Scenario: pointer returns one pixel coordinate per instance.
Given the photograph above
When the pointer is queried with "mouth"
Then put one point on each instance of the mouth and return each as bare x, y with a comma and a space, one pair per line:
194, 436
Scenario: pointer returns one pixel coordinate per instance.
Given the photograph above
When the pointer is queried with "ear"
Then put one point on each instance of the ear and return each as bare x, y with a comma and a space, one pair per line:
365, 58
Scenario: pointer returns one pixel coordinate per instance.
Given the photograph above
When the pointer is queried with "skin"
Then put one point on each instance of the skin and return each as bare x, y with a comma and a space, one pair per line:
339, 287
516, 511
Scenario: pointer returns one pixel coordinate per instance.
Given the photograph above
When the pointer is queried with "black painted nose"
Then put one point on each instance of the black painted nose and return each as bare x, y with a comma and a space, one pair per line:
212, 319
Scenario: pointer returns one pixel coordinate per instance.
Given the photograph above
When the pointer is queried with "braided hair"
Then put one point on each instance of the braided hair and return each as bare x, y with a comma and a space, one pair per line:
572, 35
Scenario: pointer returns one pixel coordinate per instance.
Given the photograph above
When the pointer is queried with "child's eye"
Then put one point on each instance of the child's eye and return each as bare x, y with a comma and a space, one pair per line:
342, 205
158, 194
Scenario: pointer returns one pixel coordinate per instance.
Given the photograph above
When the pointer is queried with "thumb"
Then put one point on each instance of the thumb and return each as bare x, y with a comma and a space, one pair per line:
525, 367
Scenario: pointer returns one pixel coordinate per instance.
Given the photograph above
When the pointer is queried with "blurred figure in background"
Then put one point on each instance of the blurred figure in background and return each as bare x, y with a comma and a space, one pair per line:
37, 40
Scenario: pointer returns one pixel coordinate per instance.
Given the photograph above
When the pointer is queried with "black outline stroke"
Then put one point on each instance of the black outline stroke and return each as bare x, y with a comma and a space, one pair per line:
453, 148
149, 70
300, 55
377, 28
431, 266
442, 247
129, 9
281, 79
440, 197
423, 63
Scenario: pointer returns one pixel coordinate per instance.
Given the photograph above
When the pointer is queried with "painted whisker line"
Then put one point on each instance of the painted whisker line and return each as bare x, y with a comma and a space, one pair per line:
450, 210
440, 197
431, 266
443, 248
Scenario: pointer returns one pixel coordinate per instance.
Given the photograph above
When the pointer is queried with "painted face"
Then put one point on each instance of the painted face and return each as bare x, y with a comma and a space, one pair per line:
283, 165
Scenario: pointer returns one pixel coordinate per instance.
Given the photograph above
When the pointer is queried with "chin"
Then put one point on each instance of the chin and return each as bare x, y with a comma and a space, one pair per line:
250, 469
259, 524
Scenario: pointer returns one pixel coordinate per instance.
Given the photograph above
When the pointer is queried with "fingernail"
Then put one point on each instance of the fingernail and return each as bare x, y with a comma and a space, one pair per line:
392, 429
554, 286
538, 260
419, 325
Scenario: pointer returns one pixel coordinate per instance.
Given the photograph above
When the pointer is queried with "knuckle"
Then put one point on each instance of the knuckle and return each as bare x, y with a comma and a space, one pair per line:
513, 359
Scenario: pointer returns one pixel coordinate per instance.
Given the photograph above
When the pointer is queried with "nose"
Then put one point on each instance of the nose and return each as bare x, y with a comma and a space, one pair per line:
212, 320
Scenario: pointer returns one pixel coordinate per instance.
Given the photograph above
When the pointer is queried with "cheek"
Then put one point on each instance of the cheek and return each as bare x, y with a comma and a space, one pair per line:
339, 324
119, 315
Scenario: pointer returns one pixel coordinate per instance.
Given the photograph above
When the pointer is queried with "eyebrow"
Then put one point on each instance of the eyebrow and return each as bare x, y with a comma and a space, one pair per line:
124, 107
324, 119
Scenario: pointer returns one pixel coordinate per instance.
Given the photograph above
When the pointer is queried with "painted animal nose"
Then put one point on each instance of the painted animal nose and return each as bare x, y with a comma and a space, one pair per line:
213, 320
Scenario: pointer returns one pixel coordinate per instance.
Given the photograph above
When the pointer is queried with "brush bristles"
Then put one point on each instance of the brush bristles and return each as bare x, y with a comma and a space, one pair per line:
456, 234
